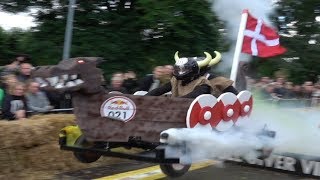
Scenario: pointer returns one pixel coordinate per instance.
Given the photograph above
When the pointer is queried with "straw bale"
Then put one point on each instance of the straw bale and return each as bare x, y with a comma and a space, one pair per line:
30, 150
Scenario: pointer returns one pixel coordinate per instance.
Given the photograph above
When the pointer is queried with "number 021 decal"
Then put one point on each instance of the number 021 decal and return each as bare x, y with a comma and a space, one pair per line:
118, 107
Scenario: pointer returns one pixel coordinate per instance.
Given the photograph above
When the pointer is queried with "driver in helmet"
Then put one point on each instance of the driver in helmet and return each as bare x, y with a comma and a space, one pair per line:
191, 78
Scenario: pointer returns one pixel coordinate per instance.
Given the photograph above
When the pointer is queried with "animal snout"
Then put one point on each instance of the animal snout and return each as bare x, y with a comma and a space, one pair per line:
164, 136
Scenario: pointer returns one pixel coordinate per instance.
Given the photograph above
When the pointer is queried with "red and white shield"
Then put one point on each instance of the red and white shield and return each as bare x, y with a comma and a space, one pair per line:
230, 111
204, 111
222, 113
246, 100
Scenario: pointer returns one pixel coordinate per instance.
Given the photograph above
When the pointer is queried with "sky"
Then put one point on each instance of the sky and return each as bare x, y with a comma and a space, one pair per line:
21, 20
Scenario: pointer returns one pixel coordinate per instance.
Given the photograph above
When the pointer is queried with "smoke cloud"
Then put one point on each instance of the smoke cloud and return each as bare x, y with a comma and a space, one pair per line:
201, 144
230, 11
297, 131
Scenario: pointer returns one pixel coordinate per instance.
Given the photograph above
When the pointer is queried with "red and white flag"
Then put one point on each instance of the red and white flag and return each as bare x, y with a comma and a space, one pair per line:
261, 40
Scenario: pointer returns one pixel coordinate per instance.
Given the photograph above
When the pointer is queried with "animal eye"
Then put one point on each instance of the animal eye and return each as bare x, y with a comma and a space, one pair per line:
80, 61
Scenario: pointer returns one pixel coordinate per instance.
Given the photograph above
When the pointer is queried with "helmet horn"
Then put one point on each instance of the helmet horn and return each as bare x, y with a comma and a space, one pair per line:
176, 56
216, 59
206, 61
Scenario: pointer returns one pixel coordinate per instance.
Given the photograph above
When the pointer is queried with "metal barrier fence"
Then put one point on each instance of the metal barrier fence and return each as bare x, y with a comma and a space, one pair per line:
294, 103
53, 111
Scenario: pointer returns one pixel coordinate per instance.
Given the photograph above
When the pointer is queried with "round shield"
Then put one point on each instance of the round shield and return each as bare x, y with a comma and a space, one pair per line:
230, 111
204, 111
246, 100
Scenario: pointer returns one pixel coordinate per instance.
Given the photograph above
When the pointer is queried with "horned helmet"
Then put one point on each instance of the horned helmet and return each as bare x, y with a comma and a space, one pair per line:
190, 67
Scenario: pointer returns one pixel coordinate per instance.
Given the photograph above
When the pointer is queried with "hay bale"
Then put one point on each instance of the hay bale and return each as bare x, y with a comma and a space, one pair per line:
31, 146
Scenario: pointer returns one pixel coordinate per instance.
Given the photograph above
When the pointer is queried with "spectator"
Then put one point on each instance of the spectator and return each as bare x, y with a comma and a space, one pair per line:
307, 91
8, 81
297, 92
262, 83
315, 102
289, 94
152, 81
24, 72
14, 104
268, 92
14, 66
167, 74
130, 82
116, 84
37, 101
2, 94
280, 90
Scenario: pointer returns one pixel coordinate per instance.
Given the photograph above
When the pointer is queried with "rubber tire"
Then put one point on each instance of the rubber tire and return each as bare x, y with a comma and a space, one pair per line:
85, 157
170, 171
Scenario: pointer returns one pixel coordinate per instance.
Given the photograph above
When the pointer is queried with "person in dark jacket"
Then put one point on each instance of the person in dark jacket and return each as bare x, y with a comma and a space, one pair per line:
130, 82
152, 81
14, 104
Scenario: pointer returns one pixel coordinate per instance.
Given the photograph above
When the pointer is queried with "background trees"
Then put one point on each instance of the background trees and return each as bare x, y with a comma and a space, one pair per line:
300, 30
139, 34
136, 34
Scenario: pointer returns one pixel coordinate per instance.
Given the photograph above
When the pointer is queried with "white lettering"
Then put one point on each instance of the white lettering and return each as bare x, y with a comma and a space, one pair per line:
316, 170
307, 166
118, 108
289, 163
269, 161
278, 162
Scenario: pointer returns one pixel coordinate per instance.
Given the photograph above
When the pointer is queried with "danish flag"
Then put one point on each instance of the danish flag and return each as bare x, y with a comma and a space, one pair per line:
260, 40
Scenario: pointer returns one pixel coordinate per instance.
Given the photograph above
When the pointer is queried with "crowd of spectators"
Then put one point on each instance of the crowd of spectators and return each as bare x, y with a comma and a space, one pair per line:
285, 92
20, 96
128, 83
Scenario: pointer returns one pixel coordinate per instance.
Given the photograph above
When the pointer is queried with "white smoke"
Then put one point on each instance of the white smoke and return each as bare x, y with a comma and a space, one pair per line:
297, 129
202, 144
297, 132
230, 12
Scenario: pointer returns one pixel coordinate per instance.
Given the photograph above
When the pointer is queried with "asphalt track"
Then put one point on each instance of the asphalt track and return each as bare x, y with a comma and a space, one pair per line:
133, 170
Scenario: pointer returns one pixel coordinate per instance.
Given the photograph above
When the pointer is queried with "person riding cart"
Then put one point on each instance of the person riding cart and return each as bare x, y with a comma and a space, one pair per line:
191, 78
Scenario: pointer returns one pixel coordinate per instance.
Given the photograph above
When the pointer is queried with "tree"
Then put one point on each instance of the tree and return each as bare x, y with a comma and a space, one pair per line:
136, 34
296, 20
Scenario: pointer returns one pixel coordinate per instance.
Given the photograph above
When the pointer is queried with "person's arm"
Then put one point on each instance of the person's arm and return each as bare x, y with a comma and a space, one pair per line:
231, 89
202, 89
160, 90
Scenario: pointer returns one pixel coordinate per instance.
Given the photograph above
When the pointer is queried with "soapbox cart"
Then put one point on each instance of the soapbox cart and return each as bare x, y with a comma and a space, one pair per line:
132, 121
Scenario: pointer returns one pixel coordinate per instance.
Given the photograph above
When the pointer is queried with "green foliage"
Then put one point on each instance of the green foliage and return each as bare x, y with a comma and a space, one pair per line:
135, 35
302, 58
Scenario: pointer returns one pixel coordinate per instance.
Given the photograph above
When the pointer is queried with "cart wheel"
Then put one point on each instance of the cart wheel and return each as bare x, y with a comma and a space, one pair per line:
174, 170
85, 157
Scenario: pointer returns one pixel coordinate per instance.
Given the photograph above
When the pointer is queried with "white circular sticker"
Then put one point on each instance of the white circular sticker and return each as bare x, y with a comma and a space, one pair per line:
119, 108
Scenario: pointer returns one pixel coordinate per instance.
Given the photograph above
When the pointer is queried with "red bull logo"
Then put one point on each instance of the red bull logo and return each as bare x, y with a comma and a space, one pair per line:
119, 107
119, 102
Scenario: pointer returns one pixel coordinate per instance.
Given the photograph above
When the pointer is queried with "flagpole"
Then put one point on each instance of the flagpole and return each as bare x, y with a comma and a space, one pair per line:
237, 52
